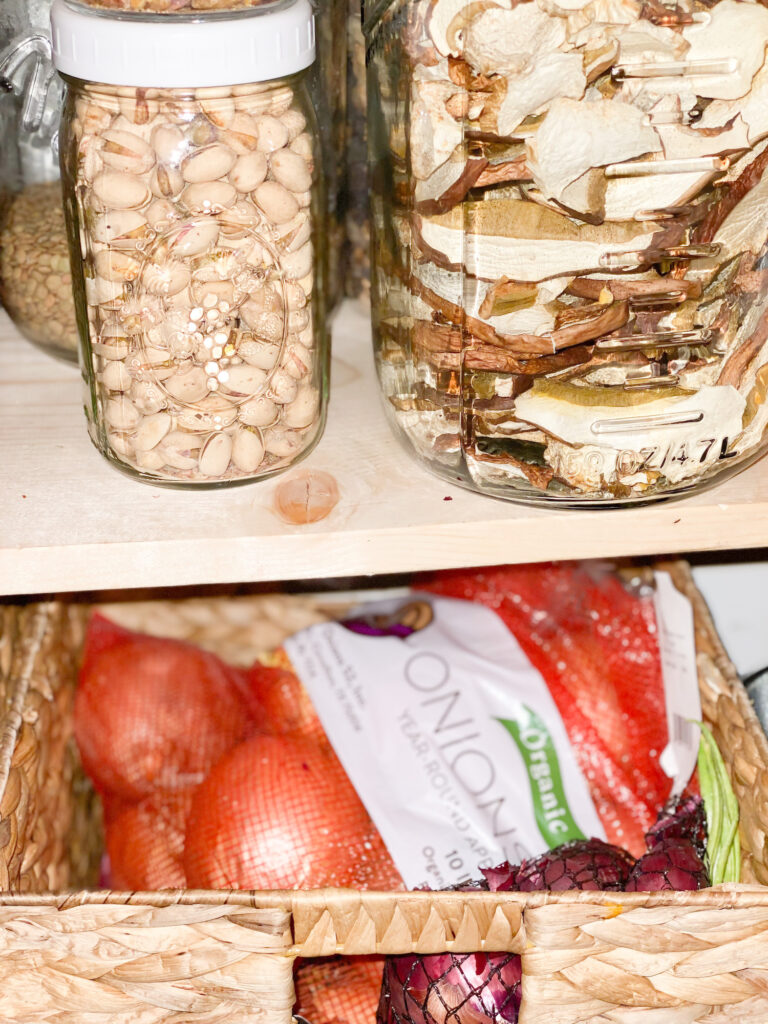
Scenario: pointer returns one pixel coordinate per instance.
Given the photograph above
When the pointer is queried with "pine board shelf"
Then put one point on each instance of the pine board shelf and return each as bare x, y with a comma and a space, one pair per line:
70, 522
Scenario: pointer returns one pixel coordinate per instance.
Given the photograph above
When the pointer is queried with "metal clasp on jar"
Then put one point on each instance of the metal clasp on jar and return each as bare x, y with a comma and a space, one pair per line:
26, 69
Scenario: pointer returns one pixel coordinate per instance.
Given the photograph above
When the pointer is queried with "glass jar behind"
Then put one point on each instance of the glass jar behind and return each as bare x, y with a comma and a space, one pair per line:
358, 192
194, 214
35, 281
328, 89
570, 285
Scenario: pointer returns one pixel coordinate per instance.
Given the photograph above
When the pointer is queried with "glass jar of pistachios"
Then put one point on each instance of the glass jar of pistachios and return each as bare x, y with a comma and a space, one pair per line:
327, 88
189, 156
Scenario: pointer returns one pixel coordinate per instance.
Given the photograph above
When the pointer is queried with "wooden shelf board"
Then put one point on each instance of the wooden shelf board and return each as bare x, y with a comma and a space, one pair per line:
70, 522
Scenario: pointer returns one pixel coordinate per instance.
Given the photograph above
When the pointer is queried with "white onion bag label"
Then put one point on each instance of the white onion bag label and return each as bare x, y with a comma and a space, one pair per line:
677, 648
450, 736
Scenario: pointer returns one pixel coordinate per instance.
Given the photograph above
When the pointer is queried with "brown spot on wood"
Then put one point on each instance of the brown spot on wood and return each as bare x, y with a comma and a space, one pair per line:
308, 496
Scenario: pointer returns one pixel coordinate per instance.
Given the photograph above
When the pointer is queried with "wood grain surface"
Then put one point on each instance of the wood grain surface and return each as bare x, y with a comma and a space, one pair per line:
70, 522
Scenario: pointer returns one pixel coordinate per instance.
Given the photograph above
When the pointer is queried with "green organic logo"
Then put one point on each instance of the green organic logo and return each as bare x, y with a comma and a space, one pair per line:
537, 749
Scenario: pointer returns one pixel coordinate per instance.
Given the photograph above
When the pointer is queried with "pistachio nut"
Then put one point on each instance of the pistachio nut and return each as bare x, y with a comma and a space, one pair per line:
215, 455
247, 450
208, 164
126, 152
291, 170
277, 203
303, 411
209, 197
249, 172
121, 191
283, 442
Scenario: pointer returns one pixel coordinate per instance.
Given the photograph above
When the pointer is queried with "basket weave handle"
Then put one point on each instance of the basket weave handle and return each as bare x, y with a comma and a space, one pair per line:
126, 959
343, 921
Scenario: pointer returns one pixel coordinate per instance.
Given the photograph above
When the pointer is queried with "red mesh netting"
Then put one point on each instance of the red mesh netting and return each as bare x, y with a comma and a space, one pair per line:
285, 705
280, 812
145, 843
595, 644
154, 714
339, 990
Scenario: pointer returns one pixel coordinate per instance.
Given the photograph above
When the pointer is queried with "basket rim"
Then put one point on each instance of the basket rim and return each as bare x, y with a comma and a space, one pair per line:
732, 894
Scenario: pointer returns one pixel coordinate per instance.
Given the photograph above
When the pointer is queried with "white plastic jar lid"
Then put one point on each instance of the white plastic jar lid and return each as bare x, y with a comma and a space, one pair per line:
167, 52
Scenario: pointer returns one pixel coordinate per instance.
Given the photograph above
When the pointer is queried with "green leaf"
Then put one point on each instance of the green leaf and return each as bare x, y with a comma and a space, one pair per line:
722, 810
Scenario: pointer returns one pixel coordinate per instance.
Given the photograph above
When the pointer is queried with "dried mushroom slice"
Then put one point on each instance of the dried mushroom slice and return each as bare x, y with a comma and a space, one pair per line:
575, 137
744, 229
583, 199
434, 132
452, 286
520, 95
733, 38
514, 459
449, 184
582, 23
517, 239
598, 56
463, 300
538, 319
533, 331
740, 180
584, 326
504, 170
576, 325
452, 181
682, 143
642, 196
751, 110
649, 287
631, 419
447, 20
481, 357
509, 41
749, 341
508, 297
644, 43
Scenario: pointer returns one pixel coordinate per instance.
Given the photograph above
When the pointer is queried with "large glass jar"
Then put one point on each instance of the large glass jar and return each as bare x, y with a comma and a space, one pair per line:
327, 87
571, 269
35, 282
194, 213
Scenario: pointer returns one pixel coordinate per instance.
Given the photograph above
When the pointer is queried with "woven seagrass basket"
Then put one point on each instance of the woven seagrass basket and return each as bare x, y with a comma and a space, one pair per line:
88, 957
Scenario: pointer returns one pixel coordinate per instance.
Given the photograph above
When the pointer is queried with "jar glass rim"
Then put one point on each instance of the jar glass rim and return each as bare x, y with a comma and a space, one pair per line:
182, 92
186, 17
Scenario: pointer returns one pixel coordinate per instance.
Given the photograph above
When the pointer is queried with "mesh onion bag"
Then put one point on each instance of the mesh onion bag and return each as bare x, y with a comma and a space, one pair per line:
339, 990
154, 714
594, 641
451, 988
280, 812
145, 843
